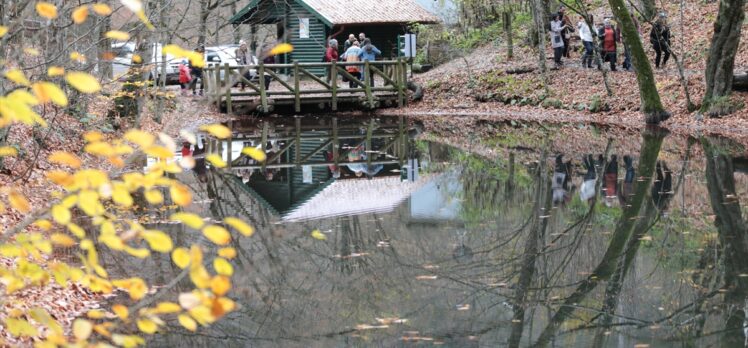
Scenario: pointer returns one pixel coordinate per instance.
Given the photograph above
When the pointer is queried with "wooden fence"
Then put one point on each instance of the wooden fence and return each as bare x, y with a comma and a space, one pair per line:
221, 81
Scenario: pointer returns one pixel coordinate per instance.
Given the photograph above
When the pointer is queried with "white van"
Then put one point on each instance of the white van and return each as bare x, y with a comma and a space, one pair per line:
122, 61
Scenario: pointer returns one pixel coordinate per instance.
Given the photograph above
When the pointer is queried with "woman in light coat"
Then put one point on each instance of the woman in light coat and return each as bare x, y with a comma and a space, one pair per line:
557, 42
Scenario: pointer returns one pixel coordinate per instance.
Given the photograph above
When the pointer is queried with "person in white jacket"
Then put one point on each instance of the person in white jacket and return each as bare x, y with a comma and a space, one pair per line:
585, 34
557, 42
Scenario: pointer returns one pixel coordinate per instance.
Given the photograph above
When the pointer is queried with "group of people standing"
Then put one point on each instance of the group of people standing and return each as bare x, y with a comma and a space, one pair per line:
354, 51
609, 36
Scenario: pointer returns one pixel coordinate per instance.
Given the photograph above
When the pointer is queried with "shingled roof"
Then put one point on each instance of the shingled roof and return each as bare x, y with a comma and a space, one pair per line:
338, 12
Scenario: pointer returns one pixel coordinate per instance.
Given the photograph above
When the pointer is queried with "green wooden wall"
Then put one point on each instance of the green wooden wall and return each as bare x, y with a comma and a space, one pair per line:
312, 49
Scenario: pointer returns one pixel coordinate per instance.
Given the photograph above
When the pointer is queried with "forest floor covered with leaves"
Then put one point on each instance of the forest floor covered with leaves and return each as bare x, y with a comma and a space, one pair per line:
480, 84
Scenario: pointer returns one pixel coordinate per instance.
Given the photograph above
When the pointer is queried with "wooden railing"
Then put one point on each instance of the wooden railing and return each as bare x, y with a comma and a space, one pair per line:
391, 75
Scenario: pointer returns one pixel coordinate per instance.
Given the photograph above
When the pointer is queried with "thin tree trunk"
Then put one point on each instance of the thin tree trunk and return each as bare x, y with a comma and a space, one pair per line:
203, 25
724, 47
507, 19
105, 45
540, 25
651, 105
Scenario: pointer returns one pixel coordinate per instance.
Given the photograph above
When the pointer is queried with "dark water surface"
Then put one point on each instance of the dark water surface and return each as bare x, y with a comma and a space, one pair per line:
526, 249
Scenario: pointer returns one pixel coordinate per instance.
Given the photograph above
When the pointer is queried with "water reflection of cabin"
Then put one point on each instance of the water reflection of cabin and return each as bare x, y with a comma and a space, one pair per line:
310, 22
300, 147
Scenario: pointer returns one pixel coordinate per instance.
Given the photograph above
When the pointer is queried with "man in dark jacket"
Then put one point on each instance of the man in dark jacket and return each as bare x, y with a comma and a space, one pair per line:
197, 73
609, 38
659, 37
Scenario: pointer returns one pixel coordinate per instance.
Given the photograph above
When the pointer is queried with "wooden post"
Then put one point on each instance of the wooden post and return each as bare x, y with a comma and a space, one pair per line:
404, 86
367, 85
297, 91
298, 140
227, 79
399, 83
217, 90
263, 92
206, 84
230, 140
334, 82
335, 143
401, 131
263, 141
368, 143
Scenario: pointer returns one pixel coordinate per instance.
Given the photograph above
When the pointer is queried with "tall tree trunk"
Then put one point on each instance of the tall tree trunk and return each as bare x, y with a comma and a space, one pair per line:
236, 27
541, 25
725, 42
651, 105
507, 21
105, 45
203, 25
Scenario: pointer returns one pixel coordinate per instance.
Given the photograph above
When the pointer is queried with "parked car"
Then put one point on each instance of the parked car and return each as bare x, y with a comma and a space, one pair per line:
220, 55
122, 61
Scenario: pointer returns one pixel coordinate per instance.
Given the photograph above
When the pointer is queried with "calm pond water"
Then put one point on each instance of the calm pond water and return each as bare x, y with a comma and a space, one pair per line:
426, 244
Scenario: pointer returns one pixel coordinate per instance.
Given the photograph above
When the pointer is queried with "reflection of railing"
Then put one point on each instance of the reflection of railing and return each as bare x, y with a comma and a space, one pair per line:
220, 81
394, 147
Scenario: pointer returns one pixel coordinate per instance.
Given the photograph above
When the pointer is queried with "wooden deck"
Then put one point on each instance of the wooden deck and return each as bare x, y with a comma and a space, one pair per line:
303, 90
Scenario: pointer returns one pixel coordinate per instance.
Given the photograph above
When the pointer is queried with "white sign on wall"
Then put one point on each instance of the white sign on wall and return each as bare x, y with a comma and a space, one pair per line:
303, 28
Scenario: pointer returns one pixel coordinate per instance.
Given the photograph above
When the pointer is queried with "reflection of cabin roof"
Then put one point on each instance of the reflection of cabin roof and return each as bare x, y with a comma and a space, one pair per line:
355, 197
337, 12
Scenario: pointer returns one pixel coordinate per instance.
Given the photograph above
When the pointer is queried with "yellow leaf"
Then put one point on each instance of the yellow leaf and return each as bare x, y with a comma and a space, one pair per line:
121, 196
168, 307
147, 326
121, 311
60, 178
217, 130
239, 225
17, 76
140, 138
154, 197
127, 341
180, 194
61, 214
49, 92
46, 10
227, 252
223, 267
281, 49
202, 314
158, 241
135, 286
255, 153
189, 219
96, 314
224, 305
199, 276
19, 202
78, 57
31, 51
66, 158
140, 253
187, 322
220, 285
316, 234
88, 201
216, 160
20, 328
55, 71
3, 30
113, 241
159, 152
102, 9
83, 82
62, 240
180, 257
196, 256
82, 329
217, 234
6, 151
117, 35
43, 224
99, 148
80, 14
76, 230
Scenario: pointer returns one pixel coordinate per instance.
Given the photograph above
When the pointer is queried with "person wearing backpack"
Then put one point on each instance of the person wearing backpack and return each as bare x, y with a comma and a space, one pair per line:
659, 37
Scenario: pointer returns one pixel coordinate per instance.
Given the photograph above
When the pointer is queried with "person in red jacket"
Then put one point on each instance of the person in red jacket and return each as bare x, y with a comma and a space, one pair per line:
331, 55
610, 38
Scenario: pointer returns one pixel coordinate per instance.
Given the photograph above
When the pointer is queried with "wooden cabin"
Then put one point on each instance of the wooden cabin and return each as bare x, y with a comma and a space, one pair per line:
306, 24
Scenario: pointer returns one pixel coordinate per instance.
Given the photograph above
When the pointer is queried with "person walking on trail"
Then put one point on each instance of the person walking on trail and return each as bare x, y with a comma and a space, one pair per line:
197, 73
585, 34
267, 77
368, 53
352, 56
659, 37
609, 38
184, 77
566, 33
243, 58
348, 43
557, 41
331, 55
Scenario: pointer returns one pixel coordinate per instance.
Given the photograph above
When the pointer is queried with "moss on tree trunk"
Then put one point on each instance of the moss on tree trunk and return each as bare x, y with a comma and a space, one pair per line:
721, 60
651, 105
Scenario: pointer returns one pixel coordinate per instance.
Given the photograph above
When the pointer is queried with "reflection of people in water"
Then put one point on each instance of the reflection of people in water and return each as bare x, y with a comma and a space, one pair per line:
560, 184
662, 189
359, 169
627, 188
610, 181
200, 169
587, 190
